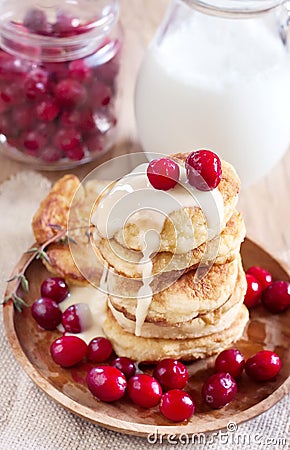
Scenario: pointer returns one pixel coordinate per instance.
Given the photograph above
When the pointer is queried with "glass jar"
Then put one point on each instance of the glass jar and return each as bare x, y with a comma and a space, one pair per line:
59, 62
217, 76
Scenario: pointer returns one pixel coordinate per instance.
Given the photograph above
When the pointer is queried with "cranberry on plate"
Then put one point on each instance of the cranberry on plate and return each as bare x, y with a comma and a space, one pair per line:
219, 390
262, 276
276, 298
171, 374
76, 318
46, 312
55, 288
126, 365
99, 350
177, 405
107, 383
144, 390
68, 350
231, 361
253, 293
263, 366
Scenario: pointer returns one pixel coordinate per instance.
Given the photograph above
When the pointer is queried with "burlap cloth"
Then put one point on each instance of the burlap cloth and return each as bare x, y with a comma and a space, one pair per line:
30, 420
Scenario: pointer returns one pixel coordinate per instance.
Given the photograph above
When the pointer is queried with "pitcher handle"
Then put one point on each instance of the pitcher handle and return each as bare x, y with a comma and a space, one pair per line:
285, 22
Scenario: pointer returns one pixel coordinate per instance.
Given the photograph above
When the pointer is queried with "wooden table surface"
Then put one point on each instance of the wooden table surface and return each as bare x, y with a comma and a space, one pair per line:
265, 205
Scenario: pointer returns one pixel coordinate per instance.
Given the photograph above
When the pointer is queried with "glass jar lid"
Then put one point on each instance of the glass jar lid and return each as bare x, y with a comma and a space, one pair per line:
53, 24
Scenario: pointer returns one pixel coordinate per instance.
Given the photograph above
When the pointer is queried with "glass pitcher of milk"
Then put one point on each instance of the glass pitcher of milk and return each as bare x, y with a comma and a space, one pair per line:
217, 76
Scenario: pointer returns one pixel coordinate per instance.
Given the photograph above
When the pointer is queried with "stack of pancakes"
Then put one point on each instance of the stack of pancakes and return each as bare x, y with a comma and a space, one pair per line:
195, 315
190, 315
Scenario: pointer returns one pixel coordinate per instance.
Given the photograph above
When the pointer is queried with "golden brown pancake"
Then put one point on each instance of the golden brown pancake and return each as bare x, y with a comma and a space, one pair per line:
68, 206
155, 349
202, 325
54, 209
221, 250
183, 300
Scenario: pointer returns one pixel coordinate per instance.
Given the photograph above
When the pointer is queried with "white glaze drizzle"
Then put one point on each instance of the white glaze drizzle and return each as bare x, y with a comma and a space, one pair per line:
97, 303
104, 278
144, 295
133, 200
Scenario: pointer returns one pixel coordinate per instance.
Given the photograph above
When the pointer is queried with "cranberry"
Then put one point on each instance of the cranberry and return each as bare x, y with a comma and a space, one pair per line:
163, 173
75, 154
11, 94
68, 350
47, 129
87, 121
33, 140
263, 366
58, 70
100, 349
67, 139
36, 22
70, 93
51, 154
107, 383
33, 152
22, 117
231, 361
3, 106
36, 84
76, 318
254, 291
70, 119
262, 276
171, 374
6, 125
219, 390
47, 110
79, 70
66, 24
100, 94
126, 365
276, 298
144, 390
177, 405
204, 170
94, 142
46, 313
55, 288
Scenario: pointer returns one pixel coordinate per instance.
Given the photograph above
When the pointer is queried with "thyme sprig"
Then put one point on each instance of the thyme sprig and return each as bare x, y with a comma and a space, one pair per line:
38, 252
62, 236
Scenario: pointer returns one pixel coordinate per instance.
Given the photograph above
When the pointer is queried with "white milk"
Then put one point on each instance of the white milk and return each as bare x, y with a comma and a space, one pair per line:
217, 84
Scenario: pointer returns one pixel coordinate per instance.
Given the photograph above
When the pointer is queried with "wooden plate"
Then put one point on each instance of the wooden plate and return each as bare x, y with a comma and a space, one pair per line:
66, 386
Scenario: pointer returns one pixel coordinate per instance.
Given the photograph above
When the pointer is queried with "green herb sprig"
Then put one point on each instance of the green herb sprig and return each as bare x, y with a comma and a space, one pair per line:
20, 278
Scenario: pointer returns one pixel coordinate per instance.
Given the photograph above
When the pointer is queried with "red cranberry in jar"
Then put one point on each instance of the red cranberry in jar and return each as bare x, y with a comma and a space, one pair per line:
36, 84
80, 70
58, 80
